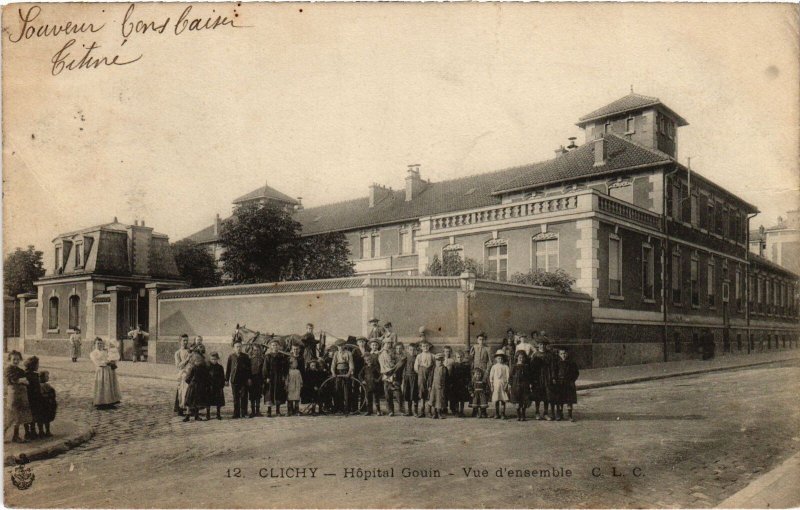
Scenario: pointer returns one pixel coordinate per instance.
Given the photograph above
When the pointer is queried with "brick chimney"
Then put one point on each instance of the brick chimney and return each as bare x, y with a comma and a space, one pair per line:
217, 224
378, 193
600, 155
140, 239
414, 183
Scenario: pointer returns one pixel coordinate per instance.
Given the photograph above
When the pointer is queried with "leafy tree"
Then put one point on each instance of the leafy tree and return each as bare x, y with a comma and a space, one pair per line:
260, 241
263, 243
559, 279
21, 269
195, 264
320, 256
452, 264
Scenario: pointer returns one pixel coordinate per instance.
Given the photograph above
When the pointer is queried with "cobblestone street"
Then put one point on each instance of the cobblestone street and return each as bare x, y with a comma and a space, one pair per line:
688, 441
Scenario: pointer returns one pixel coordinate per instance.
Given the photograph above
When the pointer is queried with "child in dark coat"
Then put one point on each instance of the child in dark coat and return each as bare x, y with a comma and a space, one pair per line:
520, 380
566, 374
540, 373
49, 404
35, 396
216, 388
198, 382
314, 378
478, 389
459, 384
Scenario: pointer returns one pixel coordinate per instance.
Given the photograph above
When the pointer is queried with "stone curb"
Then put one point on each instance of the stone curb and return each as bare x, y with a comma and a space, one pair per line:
580, 387
655, 377
46, 452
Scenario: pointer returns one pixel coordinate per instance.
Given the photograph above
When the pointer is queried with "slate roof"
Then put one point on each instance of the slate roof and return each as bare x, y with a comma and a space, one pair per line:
628, 103
437, 197
206, 235
757, 259
269, 192
579, 163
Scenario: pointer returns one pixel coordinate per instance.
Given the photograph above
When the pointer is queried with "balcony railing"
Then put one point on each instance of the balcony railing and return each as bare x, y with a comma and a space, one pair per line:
505, 212
628, 212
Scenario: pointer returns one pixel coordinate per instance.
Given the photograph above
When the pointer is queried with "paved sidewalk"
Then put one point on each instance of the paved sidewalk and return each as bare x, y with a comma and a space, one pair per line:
613, 376
67, 434
589, 378
776, 489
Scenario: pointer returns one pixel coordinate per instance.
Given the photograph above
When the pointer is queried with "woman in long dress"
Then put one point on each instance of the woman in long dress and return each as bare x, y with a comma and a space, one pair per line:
106, 384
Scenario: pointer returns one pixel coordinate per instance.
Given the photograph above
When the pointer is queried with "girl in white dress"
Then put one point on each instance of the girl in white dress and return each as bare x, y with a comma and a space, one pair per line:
498, 380
106, 384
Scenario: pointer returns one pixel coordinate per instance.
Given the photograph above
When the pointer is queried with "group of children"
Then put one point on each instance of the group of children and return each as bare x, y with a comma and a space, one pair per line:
412, 379
30, 401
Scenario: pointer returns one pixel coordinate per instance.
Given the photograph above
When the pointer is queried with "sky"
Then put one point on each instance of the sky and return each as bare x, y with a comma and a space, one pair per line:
321, 100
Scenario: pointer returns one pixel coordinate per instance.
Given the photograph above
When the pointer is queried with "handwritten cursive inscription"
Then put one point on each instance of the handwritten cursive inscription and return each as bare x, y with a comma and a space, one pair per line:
29, 30
61, 60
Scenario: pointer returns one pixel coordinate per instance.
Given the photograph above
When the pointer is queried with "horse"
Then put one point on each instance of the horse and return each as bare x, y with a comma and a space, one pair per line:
248, 338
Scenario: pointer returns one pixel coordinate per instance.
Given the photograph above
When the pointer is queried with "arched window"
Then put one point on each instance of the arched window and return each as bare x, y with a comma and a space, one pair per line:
52, 322
74, 311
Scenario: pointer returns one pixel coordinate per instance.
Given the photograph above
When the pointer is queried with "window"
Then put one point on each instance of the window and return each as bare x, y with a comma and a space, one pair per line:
676, 339
58, 258
725, 223
546, 251
695, 211
614, 266
74, 311
413, 241
710, 214
711, 280
737, 288
693, 282
78, 255
405, 241
676, 278
497, 260
365, 247
676, 201
629, 125
52, 322
648, 272
733, 228
686, 204
738, 341
767, 296
375, 245
719, 220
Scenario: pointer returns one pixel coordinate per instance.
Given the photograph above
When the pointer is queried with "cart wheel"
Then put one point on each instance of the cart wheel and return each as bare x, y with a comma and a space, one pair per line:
327, 390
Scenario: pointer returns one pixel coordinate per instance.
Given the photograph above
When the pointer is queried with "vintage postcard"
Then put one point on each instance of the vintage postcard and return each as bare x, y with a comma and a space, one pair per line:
401, 255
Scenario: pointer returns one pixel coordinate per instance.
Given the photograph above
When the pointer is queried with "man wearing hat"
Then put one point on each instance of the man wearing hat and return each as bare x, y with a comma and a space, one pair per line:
237, 373
375, 331
388, 368
342, 365
274, 371
370, 375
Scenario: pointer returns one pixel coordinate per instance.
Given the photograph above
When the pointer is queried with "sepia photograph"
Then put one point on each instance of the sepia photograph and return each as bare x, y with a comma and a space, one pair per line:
401, 255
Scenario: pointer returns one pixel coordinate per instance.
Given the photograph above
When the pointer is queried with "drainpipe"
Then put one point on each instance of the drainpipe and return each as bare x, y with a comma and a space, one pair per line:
664, 255
747, 282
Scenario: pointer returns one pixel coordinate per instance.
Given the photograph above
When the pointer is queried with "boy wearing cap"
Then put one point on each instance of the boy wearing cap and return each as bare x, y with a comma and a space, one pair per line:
256, 379
237, 373
387, 362
408, 377
437, 387
216, 393
566, 374
498, 381
371, 377
375, 329
423, 366
389, 336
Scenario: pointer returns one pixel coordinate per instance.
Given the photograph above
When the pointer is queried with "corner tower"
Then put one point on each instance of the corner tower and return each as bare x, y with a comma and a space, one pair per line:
642, 119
